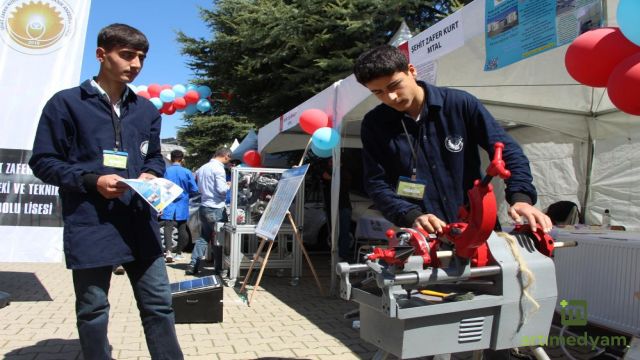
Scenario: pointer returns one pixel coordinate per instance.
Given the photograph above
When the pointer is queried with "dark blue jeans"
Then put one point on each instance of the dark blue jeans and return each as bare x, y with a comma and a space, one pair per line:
153, 295
208, 218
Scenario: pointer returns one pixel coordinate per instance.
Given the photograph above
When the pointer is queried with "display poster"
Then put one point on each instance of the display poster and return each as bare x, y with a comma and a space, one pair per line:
276, 210
518, 29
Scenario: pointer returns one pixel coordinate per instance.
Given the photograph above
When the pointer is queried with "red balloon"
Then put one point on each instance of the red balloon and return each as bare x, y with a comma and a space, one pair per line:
179, 103
168, 108
312, 120
191, 97
166, 86
624, 85
591, 57
252, 158
144, 94
154, 90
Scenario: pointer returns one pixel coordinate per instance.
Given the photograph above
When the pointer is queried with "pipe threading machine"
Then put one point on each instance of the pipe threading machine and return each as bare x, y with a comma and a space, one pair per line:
496, 291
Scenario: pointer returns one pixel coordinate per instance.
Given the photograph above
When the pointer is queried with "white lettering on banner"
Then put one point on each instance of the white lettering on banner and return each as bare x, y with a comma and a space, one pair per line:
5, 187
38, 209
43, 189
10, 208
18, 188
440, 39
17, 168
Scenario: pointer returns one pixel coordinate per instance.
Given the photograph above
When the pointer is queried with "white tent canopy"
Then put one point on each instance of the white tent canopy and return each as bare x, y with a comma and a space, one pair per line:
580, 146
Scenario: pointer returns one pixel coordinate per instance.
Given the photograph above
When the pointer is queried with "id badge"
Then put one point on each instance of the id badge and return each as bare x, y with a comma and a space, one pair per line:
115, 159
413, 189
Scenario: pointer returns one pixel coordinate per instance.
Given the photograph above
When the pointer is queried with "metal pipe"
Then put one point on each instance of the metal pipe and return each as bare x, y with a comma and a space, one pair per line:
565, 244
411, 278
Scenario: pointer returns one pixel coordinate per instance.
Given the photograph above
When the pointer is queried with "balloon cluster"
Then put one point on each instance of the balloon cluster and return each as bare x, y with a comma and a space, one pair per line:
610, 57
323, 138
169, 99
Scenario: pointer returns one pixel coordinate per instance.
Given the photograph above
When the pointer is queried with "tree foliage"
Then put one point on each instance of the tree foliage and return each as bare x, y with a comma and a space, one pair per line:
271, 55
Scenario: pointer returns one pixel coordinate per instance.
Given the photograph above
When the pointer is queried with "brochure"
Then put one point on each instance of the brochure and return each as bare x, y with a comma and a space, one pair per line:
158, 192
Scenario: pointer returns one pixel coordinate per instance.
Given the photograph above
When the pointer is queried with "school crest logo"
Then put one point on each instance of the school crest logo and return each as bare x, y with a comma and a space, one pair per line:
36, 27
144, 146
454, 143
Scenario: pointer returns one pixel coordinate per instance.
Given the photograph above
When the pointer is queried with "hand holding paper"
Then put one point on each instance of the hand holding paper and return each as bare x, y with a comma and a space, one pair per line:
158, 192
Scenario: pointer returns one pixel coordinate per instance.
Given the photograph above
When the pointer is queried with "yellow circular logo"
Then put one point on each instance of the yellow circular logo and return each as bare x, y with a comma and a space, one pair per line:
35, 27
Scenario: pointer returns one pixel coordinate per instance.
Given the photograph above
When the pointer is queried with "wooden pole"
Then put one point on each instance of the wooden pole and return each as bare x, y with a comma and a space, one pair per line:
306, 149
304, 251
264, 265
256, 256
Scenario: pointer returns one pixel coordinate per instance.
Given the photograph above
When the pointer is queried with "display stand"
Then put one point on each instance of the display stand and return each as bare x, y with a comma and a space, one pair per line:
252, 191
256, 257
271, 221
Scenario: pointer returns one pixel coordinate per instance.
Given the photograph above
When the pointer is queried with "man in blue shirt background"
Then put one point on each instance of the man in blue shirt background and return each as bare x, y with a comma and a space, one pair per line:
176, 214
213, 187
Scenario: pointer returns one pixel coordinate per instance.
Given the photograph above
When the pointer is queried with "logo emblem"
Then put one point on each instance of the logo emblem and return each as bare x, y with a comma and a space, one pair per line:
36, 27
573, 312
144, 146
454, 143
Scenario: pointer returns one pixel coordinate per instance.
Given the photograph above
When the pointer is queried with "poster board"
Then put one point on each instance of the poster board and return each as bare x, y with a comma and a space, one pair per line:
274, 214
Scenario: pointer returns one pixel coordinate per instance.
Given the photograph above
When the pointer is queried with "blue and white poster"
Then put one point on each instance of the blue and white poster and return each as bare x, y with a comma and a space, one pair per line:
518, 29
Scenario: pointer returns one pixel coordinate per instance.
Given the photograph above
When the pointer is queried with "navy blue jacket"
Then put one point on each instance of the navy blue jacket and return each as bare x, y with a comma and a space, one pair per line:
74, 129
453, 126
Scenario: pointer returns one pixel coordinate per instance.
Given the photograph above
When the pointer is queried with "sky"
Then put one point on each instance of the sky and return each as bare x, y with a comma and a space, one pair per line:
159, 20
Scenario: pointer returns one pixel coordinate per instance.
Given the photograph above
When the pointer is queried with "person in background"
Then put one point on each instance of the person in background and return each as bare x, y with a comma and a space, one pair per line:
213, 187
88, 139
176, 214
427, 138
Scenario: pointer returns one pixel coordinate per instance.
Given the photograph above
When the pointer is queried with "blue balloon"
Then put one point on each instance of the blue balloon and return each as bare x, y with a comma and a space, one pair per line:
156, 102
190, 109
179, 90
325, 138
628, 16
141, 88
192, 87
167, 95
204, 91
321, 153
203, 105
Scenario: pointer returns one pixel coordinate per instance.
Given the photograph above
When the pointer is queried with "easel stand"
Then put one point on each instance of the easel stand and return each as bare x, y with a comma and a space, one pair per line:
256, 256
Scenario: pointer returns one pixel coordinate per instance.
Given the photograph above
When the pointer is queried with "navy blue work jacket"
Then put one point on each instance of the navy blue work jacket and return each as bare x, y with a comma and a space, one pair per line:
453, 126
75, 127
179, 208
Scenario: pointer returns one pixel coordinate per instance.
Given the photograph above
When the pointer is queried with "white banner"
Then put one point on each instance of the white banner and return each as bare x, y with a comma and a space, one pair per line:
41, 48
437, 41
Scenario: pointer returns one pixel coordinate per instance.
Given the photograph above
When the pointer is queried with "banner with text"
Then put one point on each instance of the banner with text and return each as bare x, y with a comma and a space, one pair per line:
438, 40
518, 29
41, 47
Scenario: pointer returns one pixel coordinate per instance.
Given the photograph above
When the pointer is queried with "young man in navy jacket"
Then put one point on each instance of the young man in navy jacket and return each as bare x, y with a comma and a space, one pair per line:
427, 138
90, 137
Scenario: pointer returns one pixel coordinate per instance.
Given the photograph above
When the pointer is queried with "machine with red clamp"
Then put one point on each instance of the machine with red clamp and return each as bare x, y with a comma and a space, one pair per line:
468, 257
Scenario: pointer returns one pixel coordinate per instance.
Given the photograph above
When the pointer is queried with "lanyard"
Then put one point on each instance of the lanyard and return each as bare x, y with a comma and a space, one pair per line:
414, 156
115, 120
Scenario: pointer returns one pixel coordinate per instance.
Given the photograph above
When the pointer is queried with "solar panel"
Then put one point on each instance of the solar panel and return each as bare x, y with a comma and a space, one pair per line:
194, 284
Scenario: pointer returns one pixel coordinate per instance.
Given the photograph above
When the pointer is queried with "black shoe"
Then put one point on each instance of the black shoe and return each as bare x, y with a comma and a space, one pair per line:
191, 270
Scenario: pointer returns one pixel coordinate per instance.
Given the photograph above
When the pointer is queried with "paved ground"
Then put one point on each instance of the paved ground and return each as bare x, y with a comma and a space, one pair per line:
283, 321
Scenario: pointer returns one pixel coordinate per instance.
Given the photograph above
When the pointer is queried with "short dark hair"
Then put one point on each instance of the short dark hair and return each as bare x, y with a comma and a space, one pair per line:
223, 151
383, 60
122, 35
176, 155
